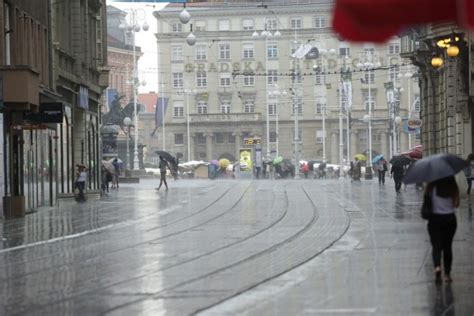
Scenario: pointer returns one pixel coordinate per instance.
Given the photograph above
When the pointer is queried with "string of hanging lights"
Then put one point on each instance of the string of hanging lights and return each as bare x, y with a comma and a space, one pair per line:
339, 72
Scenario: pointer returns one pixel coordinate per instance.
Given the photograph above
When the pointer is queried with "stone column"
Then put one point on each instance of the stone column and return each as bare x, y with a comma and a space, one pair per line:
354, 144
384, 145
209, 146
191, 146
334, 148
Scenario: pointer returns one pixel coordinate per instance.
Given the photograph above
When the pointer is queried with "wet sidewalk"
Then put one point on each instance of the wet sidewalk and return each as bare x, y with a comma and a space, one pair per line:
233, 247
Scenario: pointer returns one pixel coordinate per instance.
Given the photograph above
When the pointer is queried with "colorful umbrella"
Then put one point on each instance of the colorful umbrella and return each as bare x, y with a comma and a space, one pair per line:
378, 21
223, 163
278, 160
214, 162
360, 157
377, 159
415, 153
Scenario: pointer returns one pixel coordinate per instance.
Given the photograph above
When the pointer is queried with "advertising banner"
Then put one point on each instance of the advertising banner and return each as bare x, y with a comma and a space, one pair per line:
245, 158
411, 126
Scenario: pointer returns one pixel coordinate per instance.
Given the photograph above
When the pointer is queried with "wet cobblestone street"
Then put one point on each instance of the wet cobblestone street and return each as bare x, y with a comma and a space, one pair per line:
234, 247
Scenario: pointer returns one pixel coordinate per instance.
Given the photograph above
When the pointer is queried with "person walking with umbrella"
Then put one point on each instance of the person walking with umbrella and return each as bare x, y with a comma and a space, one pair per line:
442, 223
163, 165
441, 199
398, 170
397, 174
382, 169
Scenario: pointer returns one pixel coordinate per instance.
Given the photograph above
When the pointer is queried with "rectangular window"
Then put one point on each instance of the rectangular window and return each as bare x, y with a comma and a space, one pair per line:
368, 101
320, 107
248, 51
394, 48
201, 52
272, 50
224, 80
202, 107
416, 104
369, 74
273, 137
219, 138
224, 51
369, 51
249, 106
249, 80
272, 109
178, 80
178, 139
344, 51
319, 22
231, 138
7, 36
296, 23
299, 106
200, 138
272, 77
224, 25
176, 53
320, 76
178, 109
225, 107
300, 135
177, 27
200, 26
320, 136
201, 79
271, 24
247, 24
393, 73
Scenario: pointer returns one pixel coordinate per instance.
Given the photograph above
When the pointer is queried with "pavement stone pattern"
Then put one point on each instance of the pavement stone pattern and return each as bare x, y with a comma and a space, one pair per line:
226, 247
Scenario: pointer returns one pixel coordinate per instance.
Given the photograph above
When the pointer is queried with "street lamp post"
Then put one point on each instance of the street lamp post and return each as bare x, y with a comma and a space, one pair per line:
133, 26
369, 67
188, 130
408, 75
128, 122
277, 93
267, 34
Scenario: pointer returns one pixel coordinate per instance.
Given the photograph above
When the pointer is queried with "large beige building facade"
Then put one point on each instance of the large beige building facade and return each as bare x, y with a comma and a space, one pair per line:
233, 77
447, 89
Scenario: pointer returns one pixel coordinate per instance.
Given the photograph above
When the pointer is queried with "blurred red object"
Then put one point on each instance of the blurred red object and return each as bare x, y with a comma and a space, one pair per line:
378, 20
415, 153
305, 168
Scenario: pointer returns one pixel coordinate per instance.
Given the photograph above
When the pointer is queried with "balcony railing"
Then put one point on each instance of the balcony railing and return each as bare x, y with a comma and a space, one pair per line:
222, 117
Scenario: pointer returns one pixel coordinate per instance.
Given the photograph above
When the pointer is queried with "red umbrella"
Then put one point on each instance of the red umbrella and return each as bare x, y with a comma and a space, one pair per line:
378, 20
415, 153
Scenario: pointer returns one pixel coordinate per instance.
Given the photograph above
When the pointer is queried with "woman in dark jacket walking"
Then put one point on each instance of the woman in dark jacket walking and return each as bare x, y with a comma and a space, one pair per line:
442, 223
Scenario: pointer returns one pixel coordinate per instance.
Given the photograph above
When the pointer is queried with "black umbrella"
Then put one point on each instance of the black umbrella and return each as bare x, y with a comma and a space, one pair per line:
311, 164
434, 168
400, 161
168, 157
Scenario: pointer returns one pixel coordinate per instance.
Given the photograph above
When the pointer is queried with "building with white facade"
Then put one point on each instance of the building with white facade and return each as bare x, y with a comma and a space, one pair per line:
236, 81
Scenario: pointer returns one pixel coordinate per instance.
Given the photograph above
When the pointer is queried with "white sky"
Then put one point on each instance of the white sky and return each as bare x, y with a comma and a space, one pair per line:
147, 64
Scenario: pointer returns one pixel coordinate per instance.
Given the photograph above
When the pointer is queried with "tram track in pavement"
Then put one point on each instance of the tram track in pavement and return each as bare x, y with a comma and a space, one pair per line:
213, 251
272, 249
118, 225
